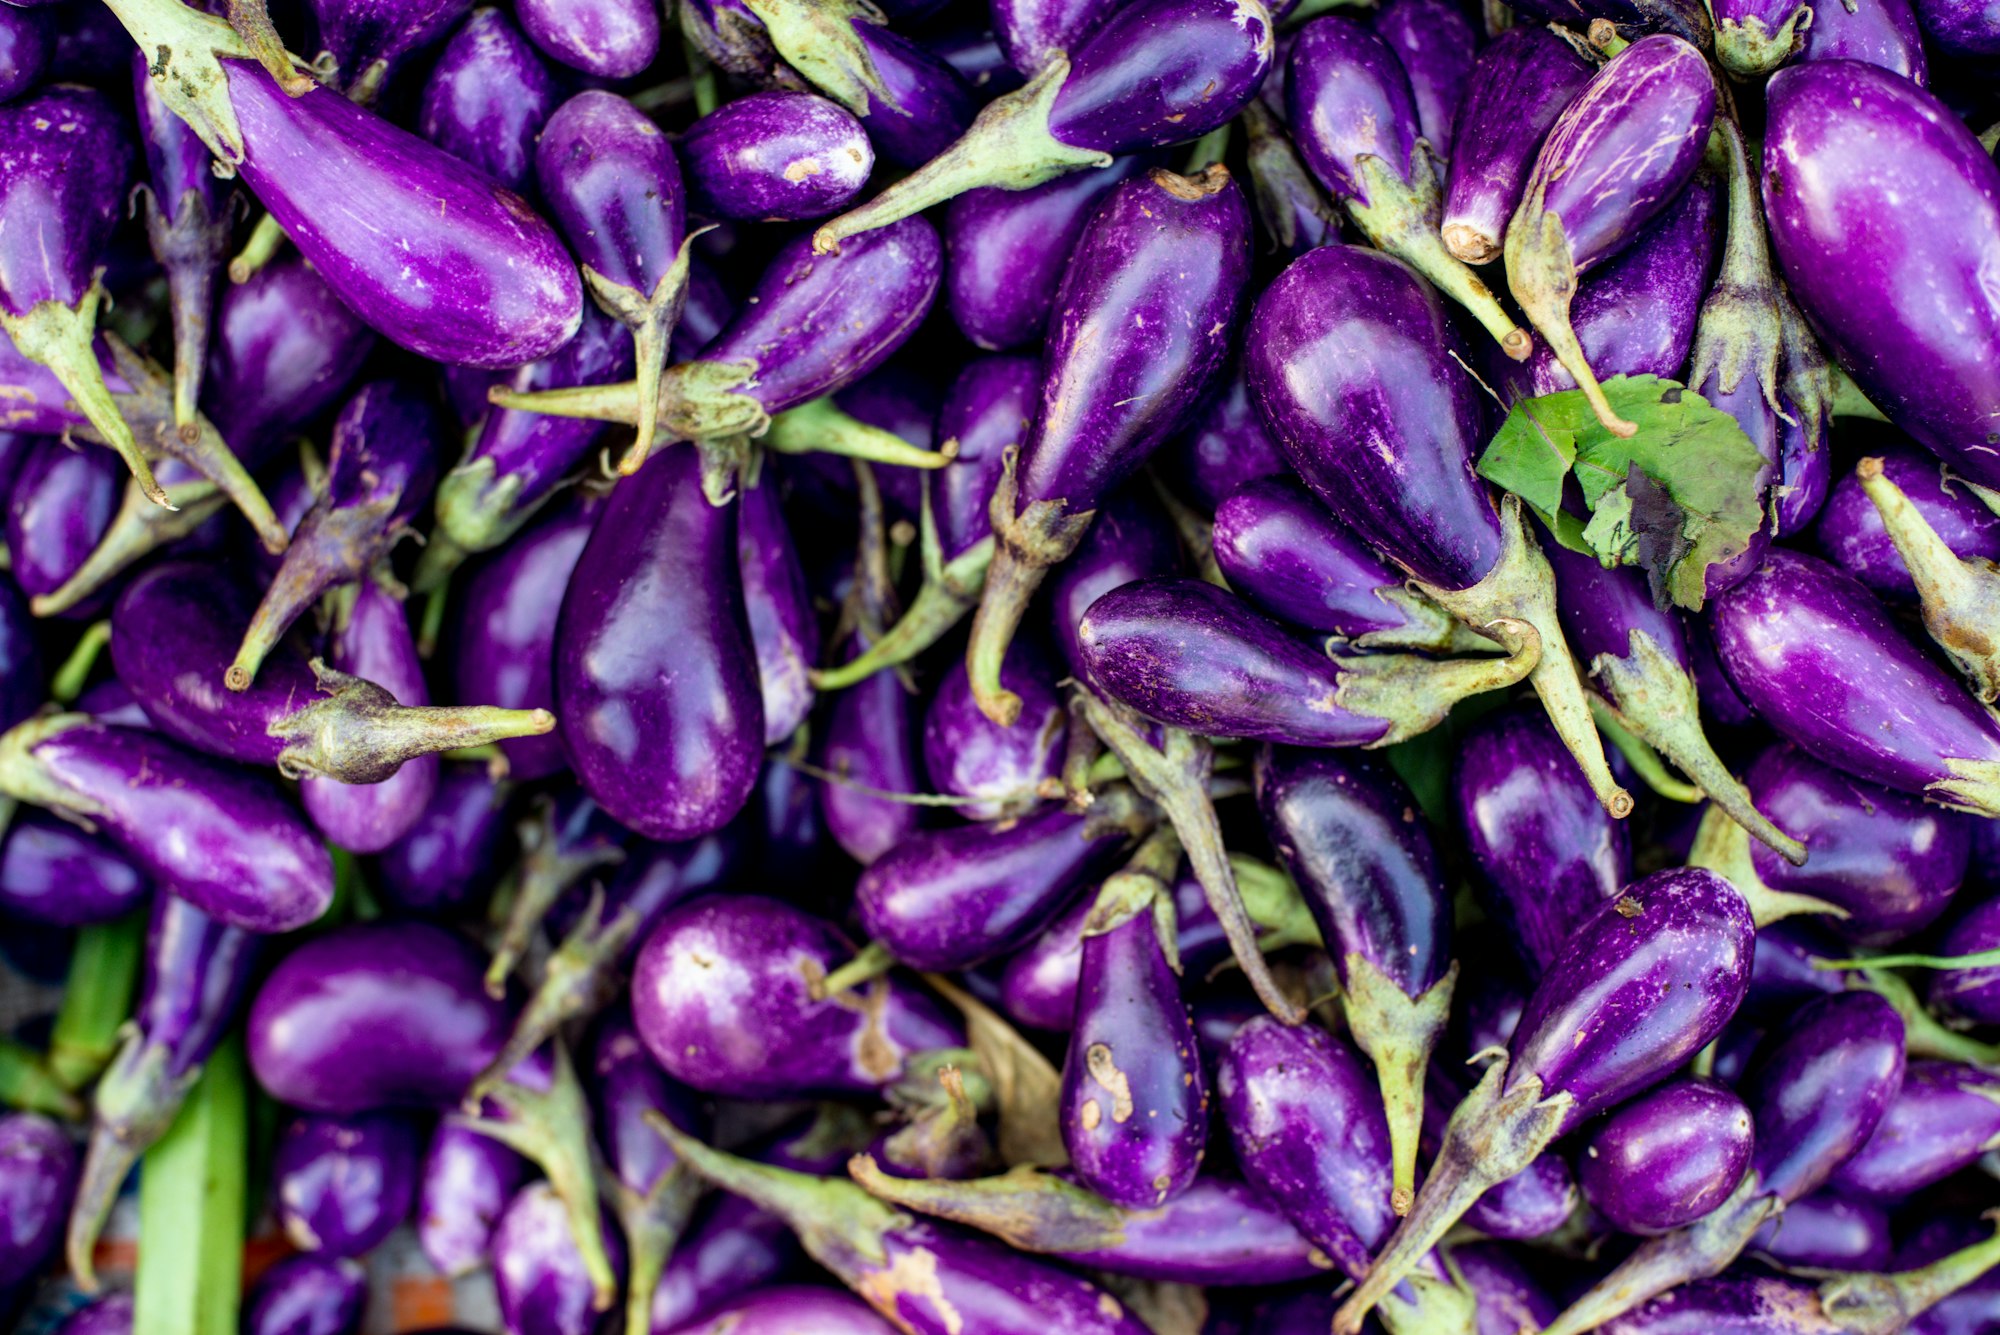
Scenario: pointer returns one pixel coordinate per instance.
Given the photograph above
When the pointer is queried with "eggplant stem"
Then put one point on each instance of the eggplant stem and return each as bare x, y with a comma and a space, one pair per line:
1640, 755
1871, 1304
820, 427
27, 1082
1397, 1031
266, 239
1960, 599
574, 983
1722, 845
1984, 959
333, 545
1923, 1035
872, 961
68, 681
63, 338
1027, 544
938, 606
1542, 276
1414, 694
135, 1103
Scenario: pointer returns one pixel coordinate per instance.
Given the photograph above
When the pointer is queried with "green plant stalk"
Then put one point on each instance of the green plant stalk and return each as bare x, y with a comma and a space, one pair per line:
192, 1192
97, 999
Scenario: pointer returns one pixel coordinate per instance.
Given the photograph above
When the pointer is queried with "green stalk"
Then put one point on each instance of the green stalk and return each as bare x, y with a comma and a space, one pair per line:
69, 679
97, 1000
26, 1083
191, 1208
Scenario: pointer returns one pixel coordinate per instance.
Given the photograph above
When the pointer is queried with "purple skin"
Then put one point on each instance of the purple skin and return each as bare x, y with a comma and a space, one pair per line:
967, 755
1822, 662
363, 200
1827, 1232
1782, 977
307, 1295
1927, 354
784, 629
1512, 95
1548, 854
1636, 314
222, 838
111, 1315
1292, 207
542, 1282
1972, 994
1638, 990
1960, 27
1667, 1158
52, 872
1851, 535
652, 1200
611, 39
1532, 1204
197, 973
504, 649
1973, 1309
341, 1184
656, 674
27, 39
1434, 43
57, 511
368, 39
872, 739
1614, 159
487, 97
1007, 250
951, 898
1032, 33
1883, 33
37, 1179
912, 102
22, 684
775, 1311
1506, 1296
1224, 447
1188, 654
776, 156
449, 851
1946, 1115
375, 1015
466, 1181
1131, 539
766, 1036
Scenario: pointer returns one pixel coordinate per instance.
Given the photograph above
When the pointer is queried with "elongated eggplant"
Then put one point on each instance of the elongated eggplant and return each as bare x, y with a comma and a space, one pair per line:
1827, 1232
872, 748
1638, 989
1032, 33
1973, 994
369, 40
1959, 28
449, 850
341, 1184
1615, 157
1820, 660
776, 156
58, 510
1945, 1116
1770, 1305
466, 1181
27, 41
1349, 104
1224, 446
23, 685
1434, 44
487, 97
541, 1279
784, 629
1515, 90
1154, 73
1131, 539
1135, 342
307, 1295
52, 872
37, 1179
773, 1311
1668, 1157
611, 39
1924, 353
1351, 360
1883, 33
968, 755
1852, 535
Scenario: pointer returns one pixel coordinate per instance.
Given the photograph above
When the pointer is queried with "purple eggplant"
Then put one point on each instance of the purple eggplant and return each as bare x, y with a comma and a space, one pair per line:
27, 41
614, 184
872, 750
1961, 1308
542, 1280
1883, 33
52, 872
1667, 1158
1131, 539
609, 39
1346, 829
656, 675
1355, 119
37, 1179
487, 97
1827, 1232
1959, 28
1638, 990
1109, 400
1034, 33
1351, 360
776, 156
1924, 353
197, 972
1755, 1305
1434, 43
1549, 856
774, 1311
1224, 446
466, 1181
1007, 250
1853, 535
784, 629
341, 1184
1508, 1298
1971, 993
1945, 1116
23, 685
1515, 90
1292, 206
1002, 768
307, 1295
1615, 157
1154, 73
447, 854
768, 1034
218, 836
58, 511
368, 40
1823, 663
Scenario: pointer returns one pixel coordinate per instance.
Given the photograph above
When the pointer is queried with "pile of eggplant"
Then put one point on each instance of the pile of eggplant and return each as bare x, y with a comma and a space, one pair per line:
1047, 667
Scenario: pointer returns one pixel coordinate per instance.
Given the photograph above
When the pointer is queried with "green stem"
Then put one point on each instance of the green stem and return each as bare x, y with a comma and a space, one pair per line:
819, 427
191, 1208
1985, 959
869, 963
69, 679
267, 238
1923, 1036
27, 1083
97, 999
1643, 759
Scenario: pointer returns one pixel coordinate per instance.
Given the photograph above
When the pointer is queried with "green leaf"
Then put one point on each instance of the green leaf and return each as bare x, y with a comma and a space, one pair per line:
1676, 498
191, 1208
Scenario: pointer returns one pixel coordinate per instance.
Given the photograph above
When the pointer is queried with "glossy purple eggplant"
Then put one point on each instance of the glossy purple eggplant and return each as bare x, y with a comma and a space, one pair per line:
1972, 994
37, 1180
1924, 353
1131, 539
368, 40
1822, 662
52, 872
1769, 1305
487, 97
1945, 1116
773, 1311
609, 39
1638, 990
1616, 156
307, 1295
449, 851
763, 1033
1434, 43
197, 972
1351, 359
23, 685
1224, 446
58, 510
776, 156
1003, 768
1154, 73
872, 747
1851, 533
656, 674
1347, 830
341, 1184
1507, 1296
1959, 28
27, 41
1883, 33
1034, 33
1668, 1157
784, 628
1827, 1232
1515, 90
1135, 342
543, 1284
466, 1181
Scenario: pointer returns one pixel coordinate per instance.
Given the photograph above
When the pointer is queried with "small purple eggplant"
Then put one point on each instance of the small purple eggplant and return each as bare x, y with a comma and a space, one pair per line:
37, 1180
1131, 539
1667, 1158
1434, 43
774, 1311
1756, 1305
1972, 994
487, 97
1224, 446
1346, 829
1003, 768
872, 748
1154, 73
1883, 33
307, 1295
368, 40
776, 156
1515, 90
1508, 1298
1292, 206
1754, 37
784, 629
1352, 113
467, 1179
1351, 360
1827, 1232
1959, 28
1033, 33
1821, 661
610, 39
23, 685
52, 872
1924, 353
1640, 988
1852, 535
447, 854
1945, 1116
341, 1184
543, 1282
197, 972
1615, 157
27, 41
59, 509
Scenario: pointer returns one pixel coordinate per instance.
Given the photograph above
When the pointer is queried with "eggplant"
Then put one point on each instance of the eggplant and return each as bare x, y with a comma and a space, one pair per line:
776, 156
652, 1198
1154, 73
1003, 769
1853, 534
609, 39
1637, 990
1827, 1232
1668, 1157
23, 684
465, 1183
1513, 93
1883, 33
27, 41
487, 97
37, 1180
1945, 1116
1821, 661
1290, 203
541, 1279
1033, 33
872, 750
1224, 446
1434, 44
1613, 160
58, 511
341, 1184
784, 627
1351, 360
781, 1308
307, 1295
1924, 353
52, 872
1754, 37
450, 848
1972, 994
1958, 28
367, 40
1131, 539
